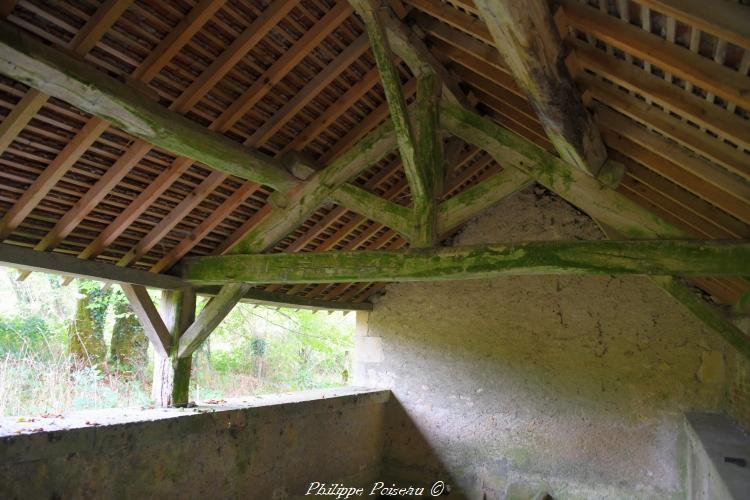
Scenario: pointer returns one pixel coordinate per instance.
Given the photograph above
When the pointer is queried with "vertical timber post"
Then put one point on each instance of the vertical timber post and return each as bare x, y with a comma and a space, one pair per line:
172, 374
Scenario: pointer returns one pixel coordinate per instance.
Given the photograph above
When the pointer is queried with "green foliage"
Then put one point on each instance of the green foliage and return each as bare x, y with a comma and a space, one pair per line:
255, 350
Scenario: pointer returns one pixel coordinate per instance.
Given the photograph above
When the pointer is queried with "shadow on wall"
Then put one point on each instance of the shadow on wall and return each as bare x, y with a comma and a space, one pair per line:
410, 460
523, 385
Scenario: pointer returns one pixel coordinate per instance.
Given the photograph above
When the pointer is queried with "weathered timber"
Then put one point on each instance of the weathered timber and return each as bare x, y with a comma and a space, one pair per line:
171, 385
148, 316
470, 202
374, 207
20, 116
262, 297
54, 72
48, 262
418, 140
710, 316
526, 37
210, 317
370, 12
407, 45
304, 200
662, 257
429, 152
690, 66
576, 187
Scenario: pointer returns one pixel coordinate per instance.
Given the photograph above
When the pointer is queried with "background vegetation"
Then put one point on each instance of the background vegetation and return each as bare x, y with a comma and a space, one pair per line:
80, 346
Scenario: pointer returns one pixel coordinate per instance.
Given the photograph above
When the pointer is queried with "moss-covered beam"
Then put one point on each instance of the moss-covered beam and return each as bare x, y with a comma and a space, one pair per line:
303, 200
374, 207
406, 44
590, 195
418, 140
30, 61
212, 314
527, 38
663, 257
709, 315
472, 201
429, 161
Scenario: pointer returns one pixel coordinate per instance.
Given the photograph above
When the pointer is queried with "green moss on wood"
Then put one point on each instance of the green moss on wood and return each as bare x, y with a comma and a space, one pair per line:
475, 262
55, 73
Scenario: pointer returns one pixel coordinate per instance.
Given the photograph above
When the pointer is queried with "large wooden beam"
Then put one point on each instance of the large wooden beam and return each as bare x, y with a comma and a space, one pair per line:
30, 61
304, 200
48, 262
572, 184
374, 207
610, 208
526, 37
418, 141
212, 314
476, 199
661, 257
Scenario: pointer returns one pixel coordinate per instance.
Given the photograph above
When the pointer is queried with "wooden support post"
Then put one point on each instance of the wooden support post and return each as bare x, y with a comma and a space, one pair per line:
171, 373
526, 36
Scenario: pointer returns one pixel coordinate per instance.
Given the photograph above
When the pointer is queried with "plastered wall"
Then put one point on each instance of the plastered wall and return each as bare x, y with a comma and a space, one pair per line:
270, 448
516, 386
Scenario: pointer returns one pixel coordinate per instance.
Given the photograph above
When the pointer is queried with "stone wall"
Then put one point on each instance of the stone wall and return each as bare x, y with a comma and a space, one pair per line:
514, 386
268, 448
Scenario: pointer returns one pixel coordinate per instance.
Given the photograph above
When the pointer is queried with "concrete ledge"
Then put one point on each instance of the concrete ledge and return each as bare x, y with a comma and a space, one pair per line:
718, 450
37, 438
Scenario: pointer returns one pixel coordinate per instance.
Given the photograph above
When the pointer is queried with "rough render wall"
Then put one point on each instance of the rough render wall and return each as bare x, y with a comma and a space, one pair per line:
739, 383
266, 452
515, 385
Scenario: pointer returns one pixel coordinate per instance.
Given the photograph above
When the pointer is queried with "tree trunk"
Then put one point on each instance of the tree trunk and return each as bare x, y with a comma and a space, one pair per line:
129, 348
86, 330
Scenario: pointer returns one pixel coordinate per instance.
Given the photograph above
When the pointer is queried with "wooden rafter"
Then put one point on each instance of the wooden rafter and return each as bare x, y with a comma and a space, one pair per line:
176, 39
174, 217
322, 28
701, 71
667, 125
93, 196
135, 209
526, 36
59, 75
51, 175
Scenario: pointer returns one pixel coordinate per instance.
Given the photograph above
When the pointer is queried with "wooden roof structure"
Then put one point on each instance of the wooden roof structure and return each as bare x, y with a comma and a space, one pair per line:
657, 113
